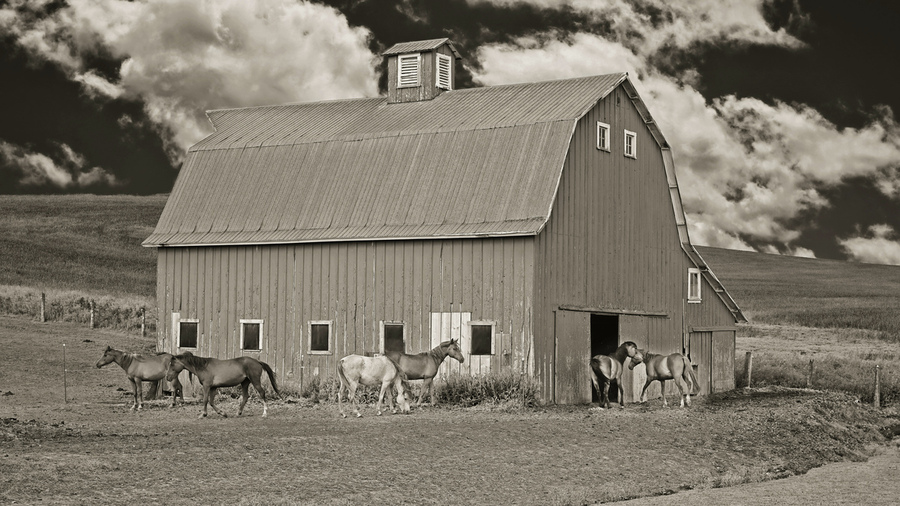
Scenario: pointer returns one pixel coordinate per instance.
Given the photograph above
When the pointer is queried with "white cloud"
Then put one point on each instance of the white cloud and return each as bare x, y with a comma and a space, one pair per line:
183, 57
879, 246
38, 169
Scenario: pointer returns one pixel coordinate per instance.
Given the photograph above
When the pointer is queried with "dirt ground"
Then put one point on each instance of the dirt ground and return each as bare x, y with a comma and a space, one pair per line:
69, 437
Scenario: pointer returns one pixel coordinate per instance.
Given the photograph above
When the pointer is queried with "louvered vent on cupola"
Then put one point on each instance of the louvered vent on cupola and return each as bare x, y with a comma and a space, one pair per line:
420, 70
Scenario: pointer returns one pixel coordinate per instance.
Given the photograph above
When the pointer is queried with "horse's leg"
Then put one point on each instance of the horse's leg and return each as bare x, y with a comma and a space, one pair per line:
426, 390
138, 386
604, 399
245, 394
380, 398
212, 402
682, 388
595, 381
387, 387
662, 389
341, 387
177, 391
644, 391
204, 401
262, 394
351, 394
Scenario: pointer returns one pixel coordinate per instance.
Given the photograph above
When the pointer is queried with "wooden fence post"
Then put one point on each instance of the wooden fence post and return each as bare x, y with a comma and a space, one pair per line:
877, 400
748, 368
143, 322
43, 306
812, 369
92, 313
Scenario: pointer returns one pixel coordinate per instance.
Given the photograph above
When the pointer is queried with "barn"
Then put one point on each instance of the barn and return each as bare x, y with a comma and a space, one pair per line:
538, 223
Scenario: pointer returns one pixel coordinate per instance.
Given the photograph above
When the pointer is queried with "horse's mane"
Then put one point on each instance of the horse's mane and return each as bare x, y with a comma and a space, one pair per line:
192, 360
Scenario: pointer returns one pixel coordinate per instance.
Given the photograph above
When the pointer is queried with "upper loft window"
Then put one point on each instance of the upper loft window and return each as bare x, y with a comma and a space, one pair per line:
320, 336
482, 338
392, 337
694, 285
602, 136
630, 144
251, 335
187, 332
408, 70
442, 69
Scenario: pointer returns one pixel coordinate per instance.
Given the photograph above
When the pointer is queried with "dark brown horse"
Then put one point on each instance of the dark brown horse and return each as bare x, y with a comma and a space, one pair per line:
605, 368
214, 373
671, 367
140, 368
354, 370
424, 366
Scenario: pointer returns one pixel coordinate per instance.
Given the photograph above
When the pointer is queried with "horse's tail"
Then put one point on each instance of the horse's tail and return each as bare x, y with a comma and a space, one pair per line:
690, 377
271, 374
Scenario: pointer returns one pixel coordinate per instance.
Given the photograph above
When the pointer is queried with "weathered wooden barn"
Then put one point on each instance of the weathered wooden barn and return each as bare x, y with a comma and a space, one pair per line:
539, 223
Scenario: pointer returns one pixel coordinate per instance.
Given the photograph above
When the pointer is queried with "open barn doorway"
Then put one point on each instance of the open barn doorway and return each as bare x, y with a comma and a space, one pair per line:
604, 341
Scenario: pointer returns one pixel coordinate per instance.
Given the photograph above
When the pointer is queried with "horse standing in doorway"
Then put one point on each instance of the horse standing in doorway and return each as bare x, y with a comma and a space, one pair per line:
214, 373
671, 367
424, 366
605, 368
140, 368
354, 370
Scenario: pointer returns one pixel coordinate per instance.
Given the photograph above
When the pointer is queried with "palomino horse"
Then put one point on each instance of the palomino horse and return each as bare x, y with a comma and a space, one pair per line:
424, 366
674, 366
609, 367
214, 373
140, 368
355, 369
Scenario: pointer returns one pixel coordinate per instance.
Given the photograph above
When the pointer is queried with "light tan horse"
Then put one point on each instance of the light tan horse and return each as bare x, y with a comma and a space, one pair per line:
424, 366
605, 368
354, 370
140, 368
671, 367
215, 373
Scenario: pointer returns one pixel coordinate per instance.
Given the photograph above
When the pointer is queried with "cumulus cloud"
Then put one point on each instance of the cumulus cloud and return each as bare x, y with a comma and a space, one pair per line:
66, 171
183, 57
880, 245
746, 168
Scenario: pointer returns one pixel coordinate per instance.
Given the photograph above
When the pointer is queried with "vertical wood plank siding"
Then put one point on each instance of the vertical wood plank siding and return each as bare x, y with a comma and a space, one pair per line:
354, 284
611, 241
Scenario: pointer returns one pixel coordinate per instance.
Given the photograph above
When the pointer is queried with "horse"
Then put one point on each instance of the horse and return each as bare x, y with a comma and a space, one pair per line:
355, 369
674, 366
214, 373
609, 367
424, 366
140, 368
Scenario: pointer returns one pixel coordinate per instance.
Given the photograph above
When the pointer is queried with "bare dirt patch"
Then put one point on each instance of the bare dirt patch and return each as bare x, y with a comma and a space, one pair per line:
93, 449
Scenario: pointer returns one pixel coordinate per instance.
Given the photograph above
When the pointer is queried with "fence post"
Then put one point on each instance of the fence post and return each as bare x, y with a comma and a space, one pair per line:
748, 368
812, 368
92, 313
877, 400
43, 305
65, 379
143, 322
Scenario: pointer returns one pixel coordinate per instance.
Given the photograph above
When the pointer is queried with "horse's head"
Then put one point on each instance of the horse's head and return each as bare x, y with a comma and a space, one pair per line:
451, 348
402, 402
636, 359
109, 355
174, 369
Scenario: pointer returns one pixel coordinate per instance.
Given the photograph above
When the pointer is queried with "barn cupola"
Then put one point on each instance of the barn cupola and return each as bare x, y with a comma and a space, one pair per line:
420, 70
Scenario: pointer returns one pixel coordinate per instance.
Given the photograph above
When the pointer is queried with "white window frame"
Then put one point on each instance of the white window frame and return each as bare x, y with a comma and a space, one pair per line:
444, 81
409, 83
483, 323
695, 280
261, 333
309, 324
631, 153
389, 322
178, 333
603, 141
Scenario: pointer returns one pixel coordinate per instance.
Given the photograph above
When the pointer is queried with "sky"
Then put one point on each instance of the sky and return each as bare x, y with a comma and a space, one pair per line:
781, 114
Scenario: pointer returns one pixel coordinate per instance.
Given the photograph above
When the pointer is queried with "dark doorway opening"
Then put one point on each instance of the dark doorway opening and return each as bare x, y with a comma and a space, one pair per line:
393, 338
604, 341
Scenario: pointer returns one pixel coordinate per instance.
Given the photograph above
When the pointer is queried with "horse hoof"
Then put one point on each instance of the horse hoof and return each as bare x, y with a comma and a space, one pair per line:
358, 415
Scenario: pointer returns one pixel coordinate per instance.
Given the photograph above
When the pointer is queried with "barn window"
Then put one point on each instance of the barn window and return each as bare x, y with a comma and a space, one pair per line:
630, 144
251, 335
442, 71
408, 70
693, 285
320, 336
602, 136
187, 332
392, 337
482, 342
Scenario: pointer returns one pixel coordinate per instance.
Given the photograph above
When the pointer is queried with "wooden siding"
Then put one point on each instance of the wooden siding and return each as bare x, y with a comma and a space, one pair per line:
356, 285
611, 242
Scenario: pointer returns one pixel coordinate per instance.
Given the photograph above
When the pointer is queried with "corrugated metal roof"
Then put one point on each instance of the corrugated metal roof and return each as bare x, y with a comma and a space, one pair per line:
473, 162
419, 46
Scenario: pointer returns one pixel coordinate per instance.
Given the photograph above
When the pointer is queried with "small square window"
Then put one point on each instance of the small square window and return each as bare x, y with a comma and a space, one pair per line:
602, 136
482, 338
694, 280
392, 337
320, 336
187, 333
630, 144
251, 335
